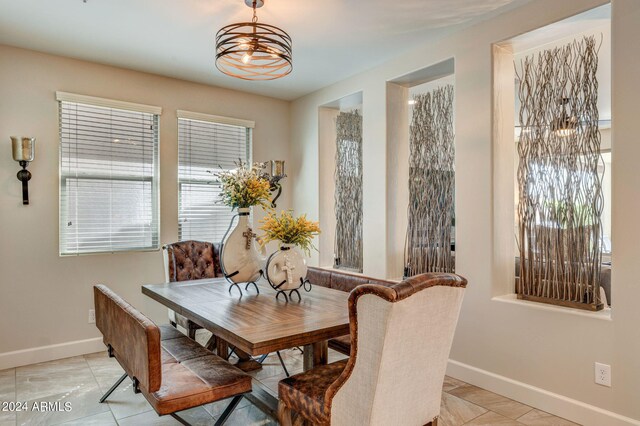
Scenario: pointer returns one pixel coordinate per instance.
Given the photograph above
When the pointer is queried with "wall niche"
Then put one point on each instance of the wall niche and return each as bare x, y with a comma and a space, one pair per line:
341, 212
421, 170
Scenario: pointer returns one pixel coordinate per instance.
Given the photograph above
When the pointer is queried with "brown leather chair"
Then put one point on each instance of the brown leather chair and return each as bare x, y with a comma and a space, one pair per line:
173, 372
343, 281
190, 260
396, 369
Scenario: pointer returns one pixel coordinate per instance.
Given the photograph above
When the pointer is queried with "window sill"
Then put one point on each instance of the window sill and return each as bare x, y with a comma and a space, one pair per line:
604, 314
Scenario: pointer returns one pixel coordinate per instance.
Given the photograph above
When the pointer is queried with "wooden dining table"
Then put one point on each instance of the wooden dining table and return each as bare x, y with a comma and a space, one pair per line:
258, 323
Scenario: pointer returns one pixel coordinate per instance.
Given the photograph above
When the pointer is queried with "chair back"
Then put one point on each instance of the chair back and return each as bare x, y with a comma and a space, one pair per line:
400, 341
192, 260
132, 338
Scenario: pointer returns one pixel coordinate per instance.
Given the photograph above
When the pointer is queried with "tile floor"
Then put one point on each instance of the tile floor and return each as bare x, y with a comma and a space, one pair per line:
82, 380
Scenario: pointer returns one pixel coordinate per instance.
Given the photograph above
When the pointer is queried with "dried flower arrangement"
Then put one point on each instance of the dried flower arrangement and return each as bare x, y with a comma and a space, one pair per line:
287, 229
244, 187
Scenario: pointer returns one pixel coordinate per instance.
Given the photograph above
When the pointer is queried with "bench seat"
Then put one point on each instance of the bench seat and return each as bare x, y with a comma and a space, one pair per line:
192, 375
172, 371
343, 281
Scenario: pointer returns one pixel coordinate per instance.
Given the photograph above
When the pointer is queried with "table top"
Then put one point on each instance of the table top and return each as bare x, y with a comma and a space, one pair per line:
257, 323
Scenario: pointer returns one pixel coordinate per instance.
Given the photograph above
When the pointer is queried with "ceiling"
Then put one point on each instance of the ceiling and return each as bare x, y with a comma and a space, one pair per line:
332, 39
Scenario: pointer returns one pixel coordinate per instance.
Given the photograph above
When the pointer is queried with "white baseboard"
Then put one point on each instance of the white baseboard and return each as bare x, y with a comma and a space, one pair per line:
50, 352
559, 405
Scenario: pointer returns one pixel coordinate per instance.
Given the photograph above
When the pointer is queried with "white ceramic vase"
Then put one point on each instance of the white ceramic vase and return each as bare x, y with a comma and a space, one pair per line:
242, 257
286, 268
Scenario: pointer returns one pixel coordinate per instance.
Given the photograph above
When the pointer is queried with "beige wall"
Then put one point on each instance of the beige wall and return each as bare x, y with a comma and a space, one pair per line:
44, 298
540, 355
327, 160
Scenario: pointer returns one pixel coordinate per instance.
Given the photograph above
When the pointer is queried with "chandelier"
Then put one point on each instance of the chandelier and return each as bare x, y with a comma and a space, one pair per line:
252, 50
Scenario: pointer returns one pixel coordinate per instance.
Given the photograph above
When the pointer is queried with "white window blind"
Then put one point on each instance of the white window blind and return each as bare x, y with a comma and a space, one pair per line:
205, 148
108, 176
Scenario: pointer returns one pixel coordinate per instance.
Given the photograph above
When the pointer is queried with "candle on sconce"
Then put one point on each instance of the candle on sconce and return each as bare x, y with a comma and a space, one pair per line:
23, 149
277, 168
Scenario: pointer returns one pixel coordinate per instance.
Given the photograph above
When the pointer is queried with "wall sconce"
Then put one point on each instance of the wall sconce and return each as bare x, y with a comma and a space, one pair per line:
24, 150
274, 173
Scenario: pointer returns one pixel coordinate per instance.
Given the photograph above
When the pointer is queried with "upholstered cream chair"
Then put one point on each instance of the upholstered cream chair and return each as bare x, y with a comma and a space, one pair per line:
400, 341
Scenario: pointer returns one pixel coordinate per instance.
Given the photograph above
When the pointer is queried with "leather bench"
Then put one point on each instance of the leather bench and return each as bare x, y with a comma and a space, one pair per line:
173, 372
343, 281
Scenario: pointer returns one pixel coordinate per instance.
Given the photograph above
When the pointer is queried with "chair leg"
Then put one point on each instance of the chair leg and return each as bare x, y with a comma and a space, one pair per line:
284, 367
284, 414
227, 411
114, 387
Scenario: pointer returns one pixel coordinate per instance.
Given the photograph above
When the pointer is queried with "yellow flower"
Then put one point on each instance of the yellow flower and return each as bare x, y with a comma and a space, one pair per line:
289, 230
244, 187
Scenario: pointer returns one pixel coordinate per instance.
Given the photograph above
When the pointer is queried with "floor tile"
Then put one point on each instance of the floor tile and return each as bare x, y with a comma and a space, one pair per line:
123, 402
455, 411
491, 401
540, 418
272, 383
53, 378
271, 366
82, 380
105, 370
83, 403
490, 419
8, 384
8, 420
102, 419
450, 383
336, 356
150, 418
250, 416
216, 408
197, 416
7, 394
202, 336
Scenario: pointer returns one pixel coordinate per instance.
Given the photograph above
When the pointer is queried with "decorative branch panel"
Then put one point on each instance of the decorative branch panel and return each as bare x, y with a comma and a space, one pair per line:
560, 190
431, 184
348, 193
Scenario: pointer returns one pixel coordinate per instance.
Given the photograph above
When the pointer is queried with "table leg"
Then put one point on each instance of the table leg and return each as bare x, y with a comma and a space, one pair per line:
222, 348
315, 354
246, 362
211, 343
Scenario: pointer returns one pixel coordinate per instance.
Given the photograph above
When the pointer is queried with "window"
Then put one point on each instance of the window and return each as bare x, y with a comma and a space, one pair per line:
108, 175
206, 145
